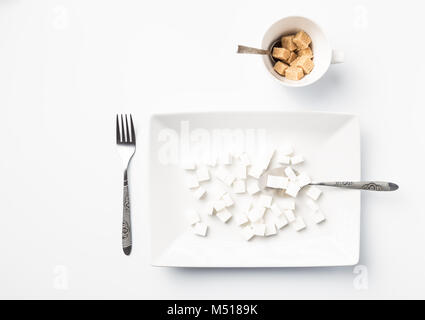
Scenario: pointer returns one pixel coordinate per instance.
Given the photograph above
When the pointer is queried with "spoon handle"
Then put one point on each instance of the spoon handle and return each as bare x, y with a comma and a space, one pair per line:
249, 50
361, 185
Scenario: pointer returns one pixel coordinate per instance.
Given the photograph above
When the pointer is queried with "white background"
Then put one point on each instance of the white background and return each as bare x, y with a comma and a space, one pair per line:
66, 69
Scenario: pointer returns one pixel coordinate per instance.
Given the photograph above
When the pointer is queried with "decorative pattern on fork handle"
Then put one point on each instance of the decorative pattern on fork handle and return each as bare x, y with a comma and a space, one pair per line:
126, 220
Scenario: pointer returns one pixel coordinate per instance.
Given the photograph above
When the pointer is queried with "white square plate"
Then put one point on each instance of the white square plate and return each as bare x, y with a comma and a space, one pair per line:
330, 144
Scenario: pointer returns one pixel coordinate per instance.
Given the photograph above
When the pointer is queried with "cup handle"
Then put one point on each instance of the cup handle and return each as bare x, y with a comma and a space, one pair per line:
337, 56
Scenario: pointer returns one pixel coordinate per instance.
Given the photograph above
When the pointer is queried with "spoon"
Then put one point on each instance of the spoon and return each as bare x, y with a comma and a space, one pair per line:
360, 185
250, 50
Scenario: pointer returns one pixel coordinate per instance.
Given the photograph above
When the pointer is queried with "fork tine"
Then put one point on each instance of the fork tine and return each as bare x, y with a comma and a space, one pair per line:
133, 133
127, 131
122, 130
118, 130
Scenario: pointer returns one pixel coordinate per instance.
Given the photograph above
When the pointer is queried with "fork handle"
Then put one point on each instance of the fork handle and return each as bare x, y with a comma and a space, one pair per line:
126, 220
361, 185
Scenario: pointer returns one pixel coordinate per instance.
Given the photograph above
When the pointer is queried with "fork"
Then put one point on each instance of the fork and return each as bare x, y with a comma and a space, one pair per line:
126, 143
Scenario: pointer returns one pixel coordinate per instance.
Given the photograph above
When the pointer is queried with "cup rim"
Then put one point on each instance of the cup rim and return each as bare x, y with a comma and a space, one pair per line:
304, 84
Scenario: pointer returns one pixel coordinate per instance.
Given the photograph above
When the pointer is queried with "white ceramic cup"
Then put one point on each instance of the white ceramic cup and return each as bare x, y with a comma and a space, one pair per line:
324, 55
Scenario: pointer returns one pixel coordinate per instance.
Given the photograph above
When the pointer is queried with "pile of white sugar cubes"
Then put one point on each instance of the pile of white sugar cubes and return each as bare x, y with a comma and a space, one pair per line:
259, 214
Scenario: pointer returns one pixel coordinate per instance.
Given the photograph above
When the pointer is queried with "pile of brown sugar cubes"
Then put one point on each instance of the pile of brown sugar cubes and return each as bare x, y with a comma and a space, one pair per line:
295, 55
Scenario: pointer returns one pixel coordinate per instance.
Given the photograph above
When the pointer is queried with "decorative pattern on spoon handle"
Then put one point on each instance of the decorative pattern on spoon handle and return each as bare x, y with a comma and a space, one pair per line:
361, 185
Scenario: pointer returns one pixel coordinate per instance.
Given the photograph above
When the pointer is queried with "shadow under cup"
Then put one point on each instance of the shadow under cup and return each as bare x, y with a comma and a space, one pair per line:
320, 46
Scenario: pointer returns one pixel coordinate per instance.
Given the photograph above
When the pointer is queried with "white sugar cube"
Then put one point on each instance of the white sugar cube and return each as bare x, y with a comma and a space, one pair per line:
246, 205
247, 233
241, 219
224, 215
225, 176
219, 191
297, 159
303, 179
288, 204
292, 189
239, 186
253, 188
219, 205
255, 172
245, 159
313, 192
226, 158
286, 150
221, 174
228, 201
192, 217
318, 217
200, 229
277, 182
290, 173
312, 205
203, 174
240, 171
284, 159
209, 209
270, 229
256, 213
212, 161
259, 229
199, 193
299, 224
289, 214
276, 210
192, 181
187, 164
265, 201
280, 222
266, 159
229, 179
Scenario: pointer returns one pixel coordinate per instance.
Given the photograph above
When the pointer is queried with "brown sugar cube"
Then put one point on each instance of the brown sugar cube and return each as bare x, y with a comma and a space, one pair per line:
280, 67
302, 40
281, 53
294, 73
292, 57
293, 63
305, 63
287, 43
305, 52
